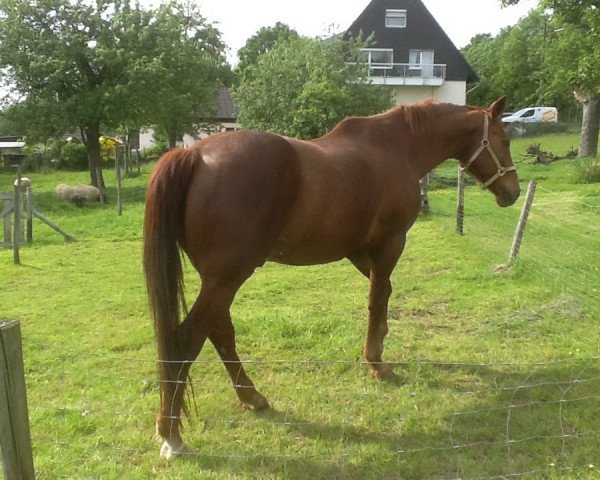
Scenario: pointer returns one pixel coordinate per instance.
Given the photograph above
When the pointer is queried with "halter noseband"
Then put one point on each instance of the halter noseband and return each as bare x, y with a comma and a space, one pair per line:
485, 145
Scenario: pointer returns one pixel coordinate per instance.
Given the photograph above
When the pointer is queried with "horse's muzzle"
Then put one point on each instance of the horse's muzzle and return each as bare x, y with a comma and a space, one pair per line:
506, 198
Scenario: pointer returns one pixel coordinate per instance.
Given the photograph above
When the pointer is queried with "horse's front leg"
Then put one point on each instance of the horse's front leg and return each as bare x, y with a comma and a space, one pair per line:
382, 262
377, 328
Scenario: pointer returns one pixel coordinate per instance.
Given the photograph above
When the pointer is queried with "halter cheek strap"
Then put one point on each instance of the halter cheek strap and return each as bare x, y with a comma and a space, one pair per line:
485, 145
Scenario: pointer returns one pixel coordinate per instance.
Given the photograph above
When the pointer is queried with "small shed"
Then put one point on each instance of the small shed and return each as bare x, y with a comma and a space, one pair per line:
10, 147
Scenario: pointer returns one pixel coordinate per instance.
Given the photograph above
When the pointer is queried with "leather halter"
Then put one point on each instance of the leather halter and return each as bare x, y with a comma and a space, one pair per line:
485, 145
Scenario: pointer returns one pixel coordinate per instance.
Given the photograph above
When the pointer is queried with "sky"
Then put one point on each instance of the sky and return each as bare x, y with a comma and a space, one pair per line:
461, 19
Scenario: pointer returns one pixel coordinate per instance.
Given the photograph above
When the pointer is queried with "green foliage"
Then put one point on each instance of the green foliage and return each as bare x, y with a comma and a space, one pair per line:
303, 87
93, 66
56, 154
263, 42
68, 59
514, 63
72, 156
540, 60
589, 172
570, 60
7, 127
181, 56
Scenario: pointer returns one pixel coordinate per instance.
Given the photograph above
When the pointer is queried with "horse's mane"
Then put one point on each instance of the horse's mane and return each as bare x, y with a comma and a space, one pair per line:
416, 117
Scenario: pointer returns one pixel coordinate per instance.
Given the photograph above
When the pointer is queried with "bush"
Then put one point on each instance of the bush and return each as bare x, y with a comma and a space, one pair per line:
72, 156
589, 172
154, 153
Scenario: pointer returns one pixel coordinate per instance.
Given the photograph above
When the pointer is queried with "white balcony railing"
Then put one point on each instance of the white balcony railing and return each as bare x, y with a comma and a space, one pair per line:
406, 73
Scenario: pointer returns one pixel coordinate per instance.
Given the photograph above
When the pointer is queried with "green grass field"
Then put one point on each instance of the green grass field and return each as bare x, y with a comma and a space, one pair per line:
497, 375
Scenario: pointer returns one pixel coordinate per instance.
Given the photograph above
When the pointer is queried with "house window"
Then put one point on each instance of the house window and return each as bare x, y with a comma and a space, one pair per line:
419, 58
421, 61
379, 57
395, 18
414, 58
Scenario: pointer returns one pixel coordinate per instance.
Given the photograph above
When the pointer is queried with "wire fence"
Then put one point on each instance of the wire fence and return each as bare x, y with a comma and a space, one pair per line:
437, 419
546, 411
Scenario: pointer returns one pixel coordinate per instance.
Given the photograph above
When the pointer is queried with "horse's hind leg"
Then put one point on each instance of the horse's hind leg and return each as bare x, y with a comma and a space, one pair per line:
223, 338
210, 309
174, 376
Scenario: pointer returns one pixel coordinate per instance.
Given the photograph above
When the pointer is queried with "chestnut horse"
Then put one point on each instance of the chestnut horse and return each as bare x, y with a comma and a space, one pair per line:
236, 200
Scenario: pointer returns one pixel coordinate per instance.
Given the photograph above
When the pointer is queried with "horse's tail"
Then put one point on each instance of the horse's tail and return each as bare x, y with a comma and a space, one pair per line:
163, 235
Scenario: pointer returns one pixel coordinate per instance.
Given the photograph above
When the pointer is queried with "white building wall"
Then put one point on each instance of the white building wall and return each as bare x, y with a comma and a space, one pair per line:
147, 136
448, 92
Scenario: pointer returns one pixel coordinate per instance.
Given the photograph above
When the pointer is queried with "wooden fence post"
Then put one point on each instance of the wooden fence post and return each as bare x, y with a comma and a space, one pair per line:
7, 205
29, 196
15, 440
118, 158
424, 184
460, 202
18, 221
516, 244
100, 188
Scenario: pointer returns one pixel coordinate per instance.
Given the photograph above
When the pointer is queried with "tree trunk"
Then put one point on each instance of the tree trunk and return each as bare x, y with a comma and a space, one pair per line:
173, 134
92, 145
590, 125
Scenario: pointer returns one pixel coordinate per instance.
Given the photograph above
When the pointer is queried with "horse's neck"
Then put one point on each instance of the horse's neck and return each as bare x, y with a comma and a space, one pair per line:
436, 132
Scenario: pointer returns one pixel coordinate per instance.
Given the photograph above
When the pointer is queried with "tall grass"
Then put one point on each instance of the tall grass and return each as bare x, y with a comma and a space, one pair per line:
496, 367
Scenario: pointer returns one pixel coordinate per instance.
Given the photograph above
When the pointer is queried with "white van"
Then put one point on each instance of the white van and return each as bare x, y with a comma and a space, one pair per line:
533, 115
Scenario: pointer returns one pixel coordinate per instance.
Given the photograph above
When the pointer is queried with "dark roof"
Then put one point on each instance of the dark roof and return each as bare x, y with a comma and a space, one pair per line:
226, 107
422, 32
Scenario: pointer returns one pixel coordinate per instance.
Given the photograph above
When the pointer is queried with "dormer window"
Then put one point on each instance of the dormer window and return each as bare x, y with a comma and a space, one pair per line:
395, 18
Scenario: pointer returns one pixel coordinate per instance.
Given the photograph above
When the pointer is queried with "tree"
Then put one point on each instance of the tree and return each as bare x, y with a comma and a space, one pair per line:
579, 22
513, 63
7, 127
482, 53
263, 42
303, 87
182, 57
68, 62
89, 66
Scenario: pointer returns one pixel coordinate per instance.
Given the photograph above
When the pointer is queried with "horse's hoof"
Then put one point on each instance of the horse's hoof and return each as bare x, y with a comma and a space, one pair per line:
255, 401
380, 370
168, 451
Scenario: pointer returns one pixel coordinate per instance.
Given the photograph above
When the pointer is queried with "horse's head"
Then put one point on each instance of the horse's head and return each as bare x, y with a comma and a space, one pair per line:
489, 160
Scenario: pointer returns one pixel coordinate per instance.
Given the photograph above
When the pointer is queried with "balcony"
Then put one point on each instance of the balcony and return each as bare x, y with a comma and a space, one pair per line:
406, 74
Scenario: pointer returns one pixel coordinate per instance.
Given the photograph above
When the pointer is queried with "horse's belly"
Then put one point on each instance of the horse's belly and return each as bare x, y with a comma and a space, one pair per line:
306, 255
312, 246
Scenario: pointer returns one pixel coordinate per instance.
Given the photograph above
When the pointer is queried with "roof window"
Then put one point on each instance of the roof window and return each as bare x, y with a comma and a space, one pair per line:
395, 18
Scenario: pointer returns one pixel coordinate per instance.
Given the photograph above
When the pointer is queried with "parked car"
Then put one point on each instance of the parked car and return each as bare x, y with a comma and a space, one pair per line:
533, 115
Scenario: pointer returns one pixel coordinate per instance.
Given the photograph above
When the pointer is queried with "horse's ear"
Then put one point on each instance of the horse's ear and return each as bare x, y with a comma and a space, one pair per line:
497, 108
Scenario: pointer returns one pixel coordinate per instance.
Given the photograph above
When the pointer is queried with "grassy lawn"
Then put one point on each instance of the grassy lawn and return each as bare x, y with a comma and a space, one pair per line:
497, 375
